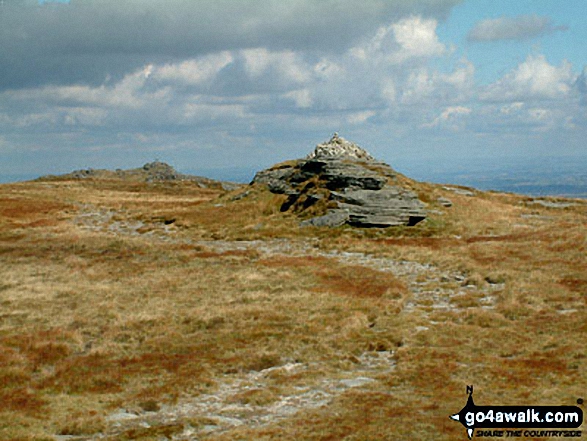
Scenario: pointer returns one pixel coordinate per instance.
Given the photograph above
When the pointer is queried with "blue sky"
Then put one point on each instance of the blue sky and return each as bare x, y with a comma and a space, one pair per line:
238, 85
497, 57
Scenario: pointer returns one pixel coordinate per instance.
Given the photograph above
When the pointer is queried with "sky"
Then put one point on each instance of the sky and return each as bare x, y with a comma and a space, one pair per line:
226, 87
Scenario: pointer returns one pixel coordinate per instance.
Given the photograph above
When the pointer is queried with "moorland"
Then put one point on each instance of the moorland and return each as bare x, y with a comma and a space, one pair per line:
170, 310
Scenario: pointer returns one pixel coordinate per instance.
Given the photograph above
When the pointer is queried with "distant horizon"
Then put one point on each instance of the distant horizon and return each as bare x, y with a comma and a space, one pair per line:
563, 177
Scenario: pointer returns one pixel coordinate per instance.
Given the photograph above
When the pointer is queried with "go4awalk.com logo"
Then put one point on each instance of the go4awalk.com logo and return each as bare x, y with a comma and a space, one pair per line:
515, 421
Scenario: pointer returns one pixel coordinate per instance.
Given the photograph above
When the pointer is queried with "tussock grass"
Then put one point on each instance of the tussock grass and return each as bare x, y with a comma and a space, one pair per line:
92, 321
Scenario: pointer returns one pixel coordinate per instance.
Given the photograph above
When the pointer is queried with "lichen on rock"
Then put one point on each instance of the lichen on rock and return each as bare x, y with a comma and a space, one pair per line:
338, 147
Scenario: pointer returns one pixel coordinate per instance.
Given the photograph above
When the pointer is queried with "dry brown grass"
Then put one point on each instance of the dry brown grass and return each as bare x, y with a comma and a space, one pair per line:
92, 321
360, 282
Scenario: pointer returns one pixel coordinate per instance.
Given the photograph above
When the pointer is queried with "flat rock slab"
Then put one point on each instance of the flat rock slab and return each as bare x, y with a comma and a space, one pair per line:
444, 202
335, 218
459, 191
552, 204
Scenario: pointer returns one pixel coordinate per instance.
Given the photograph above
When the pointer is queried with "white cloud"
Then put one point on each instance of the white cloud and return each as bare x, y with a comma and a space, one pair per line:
257, 61
127, 93
391, 68
512, 108
408, 39
533, 79
215, 76
539, 114
360, 117
418, 86
327, 69
513, 28
84, 116
301, 97
196, 111
462, 77
548, 119
451, 117
36, 119
85, 42
519, 118
425, 86
401, 78
193, 71
288, 65
388, 90
417, 38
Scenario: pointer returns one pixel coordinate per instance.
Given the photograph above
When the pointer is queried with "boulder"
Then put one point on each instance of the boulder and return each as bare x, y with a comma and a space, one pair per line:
348, 184
444, 201
334, 218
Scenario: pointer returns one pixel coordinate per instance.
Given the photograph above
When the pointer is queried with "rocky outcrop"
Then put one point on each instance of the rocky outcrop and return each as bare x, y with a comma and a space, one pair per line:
152, 172
344, 184
160, 171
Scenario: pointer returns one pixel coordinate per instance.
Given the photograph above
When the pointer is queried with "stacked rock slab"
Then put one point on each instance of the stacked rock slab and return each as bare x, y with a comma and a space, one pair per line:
355, 188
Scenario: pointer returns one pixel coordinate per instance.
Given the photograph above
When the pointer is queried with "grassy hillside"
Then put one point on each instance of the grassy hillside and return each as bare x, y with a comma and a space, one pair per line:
148, 311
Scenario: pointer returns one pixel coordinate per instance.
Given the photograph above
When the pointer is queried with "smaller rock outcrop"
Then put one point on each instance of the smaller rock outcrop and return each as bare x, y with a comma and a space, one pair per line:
341, 183
160, 171
152, 172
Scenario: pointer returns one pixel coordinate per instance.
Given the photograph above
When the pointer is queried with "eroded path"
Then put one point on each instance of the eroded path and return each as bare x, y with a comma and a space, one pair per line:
430, 288
239, 399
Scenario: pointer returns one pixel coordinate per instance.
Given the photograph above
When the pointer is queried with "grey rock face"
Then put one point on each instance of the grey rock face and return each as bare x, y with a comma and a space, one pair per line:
340, 174
390, 206
276, 179
335, 218
348, 184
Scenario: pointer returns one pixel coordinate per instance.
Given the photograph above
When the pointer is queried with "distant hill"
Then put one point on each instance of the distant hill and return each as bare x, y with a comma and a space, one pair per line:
151, 172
